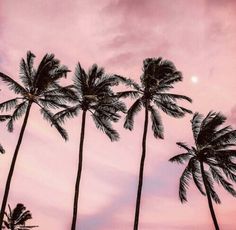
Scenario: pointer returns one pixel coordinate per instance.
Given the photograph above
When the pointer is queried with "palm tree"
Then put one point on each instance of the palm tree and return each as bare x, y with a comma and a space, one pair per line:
39, 87
212, 150
158, 77
94, 96
16, 219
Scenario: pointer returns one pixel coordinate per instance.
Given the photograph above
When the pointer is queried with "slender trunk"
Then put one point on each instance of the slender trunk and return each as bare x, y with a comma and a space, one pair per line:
77, 184
209, 198
10, 174
141, 170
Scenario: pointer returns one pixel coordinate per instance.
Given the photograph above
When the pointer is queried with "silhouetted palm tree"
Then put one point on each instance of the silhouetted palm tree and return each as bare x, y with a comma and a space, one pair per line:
16, 219
40, 87
94, 95
213, 150
158, 77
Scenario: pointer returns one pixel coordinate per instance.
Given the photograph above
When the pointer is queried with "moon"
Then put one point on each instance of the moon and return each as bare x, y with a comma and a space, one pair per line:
194, 79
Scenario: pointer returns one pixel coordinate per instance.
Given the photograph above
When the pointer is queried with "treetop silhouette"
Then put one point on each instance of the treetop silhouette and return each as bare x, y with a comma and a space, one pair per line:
213, 150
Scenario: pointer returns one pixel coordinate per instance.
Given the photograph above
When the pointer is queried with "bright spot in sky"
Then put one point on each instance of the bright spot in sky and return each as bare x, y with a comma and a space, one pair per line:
194, 79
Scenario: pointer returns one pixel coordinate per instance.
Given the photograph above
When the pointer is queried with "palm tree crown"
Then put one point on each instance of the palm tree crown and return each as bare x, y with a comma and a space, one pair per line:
213, 149
158, 77
94, 94
16, 219
39, 87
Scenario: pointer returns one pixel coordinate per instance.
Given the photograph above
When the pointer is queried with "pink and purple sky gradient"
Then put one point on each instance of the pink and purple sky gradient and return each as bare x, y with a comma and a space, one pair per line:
198, 36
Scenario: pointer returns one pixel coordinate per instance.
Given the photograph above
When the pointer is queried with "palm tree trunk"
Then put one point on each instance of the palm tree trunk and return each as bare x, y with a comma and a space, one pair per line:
10, 174
77, 184
209, 198
141, 170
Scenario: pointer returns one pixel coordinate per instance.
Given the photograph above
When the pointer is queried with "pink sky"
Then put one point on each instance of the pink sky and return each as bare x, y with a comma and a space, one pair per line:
198, 36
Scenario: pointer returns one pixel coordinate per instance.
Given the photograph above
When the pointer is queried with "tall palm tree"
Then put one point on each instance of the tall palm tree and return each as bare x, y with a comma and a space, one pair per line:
39, 87
158, 77
212, 150
16, 219
95, 96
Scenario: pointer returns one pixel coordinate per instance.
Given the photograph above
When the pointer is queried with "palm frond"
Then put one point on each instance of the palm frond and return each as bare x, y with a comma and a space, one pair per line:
18, 113
80, 79
209, 126
49, 117
2, 149
26, 70
183, 145
225, 153
229, 173
48, 72
157, 126
131, 93
8, 105
133, 110
161, 88
68, 113
217, 175
12, 84
94, 74
4, 117
173, 97
47, 103
196, 124
30, 62
184, 182
226, 138
107, 113
197, 177
104, 84
170, 81
170, 109
105, 126
210, 187
58, 72
181, 158
128, 82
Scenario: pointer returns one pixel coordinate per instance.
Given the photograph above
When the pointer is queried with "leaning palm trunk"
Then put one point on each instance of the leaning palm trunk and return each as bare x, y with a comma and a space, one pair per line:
10, 174
77, 184
141, 170
209, 198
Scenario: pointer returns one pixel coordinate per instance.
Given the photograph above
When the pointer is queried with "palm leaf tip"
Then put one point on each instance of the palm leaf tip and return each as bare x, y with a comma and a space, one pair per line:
183, 145
180, 158
157, 126
133, 110
184, 182
2, 149
50, 118
105, 126
4, 117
